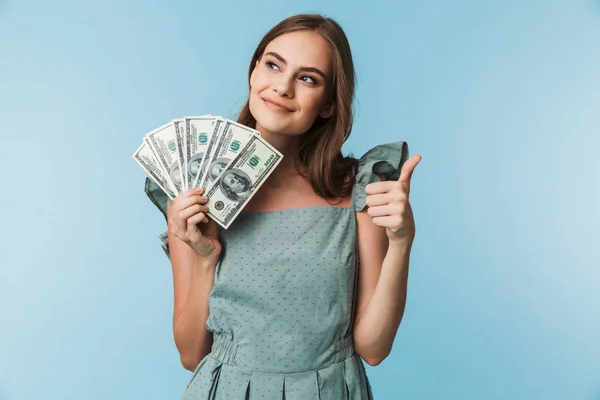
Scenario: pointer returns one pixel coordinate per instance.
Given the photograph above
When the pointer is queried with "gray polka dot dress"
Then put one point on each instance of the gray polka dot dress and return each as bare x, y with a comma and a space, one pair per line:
283, 302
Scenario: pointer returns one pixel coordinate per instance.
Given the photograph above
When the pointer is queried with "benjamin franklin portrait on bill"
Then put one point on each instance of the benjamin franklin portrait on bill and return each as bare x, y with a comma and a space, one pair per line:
236, 185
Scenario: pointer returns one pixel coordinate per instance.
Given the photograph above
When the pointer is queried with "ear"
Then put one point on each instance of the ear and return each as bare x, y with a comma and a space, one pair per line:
327, 111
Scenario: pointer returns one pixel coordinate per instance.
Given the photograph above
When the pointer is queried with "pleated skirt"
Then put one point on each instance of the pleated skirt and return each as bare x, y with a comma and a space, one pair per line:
216, 378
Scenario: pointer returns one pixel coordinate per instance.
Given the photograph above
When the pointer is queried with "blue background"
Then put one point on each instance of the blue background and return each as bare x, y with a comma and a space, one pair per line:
500, 98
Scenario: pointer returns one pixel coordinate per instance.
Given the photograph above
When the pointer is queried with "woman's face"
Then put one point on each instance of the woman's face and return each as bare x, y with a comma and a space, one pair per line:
289, 84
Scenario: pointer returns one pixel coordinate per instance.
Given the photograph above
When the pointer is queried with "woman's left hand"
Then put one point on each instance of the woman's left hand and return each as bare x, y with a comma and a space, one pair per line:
389, 206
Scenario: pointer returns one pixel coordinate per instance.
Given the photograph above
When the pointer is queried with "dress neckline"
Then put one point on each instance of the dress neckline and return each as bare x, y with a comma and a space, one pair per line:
294, 209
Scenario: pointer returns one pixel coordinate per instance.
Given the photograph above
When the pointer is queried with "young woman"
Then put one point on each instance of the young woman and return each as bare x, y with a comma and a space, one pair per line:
311, 277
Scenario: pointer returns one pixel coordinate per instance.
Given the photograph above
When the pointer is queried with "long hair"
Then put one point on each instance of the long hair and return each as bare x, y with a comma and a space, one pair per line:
330, 173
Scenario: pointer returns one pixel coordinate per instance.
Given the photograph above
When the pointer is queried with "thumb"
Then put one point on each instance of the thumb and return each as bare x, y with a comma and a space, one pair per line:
407, 171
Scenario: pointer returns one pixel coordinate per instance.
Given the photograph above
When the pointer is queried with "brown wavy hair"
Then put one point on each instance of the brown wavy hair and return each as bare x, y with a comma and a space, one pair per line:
330, 173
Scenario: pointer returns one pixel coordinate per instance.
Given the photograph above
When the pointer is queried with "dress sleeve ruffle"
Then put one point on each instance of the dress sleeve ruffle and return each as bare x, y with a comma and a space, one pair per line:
385, 159
159, 198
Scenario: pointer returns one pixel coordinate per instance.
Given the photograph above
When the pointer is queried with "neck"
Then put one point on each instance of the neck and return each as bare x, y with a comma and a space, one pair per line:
288, 146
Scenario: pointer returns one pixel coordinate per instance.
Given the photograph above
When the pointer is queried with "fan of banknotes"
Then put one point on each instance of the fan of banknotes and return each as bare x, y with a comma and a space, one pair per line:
229, 160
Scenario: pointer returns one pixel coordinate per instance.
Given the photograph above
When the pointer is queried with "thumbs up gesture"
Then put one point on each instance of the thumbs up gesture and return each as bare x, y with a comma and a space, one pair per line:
389, 205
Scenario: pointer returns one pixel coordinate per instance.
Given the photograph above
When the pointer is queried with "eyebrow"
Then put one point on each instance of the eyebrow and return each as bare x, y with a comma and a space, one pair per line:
307, 69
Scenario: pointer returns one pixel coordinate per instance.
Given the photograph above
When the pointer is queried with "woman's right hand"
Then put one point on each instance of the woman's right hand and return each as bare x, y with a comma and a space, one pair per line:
185, 214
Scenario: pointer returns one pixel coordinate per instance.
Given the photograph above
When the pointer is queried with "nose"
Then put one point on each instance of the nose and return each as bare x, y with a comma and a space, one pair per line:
284, 87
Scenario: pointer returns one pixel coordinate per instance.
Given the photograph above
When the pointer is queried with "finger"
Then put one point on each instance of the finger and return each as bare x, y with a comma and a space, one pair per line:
190, 192
195, 220
385, 210
194, 209
193, 230
407, 171
194, 191
379, 199
387, 221
189, 201
380, 187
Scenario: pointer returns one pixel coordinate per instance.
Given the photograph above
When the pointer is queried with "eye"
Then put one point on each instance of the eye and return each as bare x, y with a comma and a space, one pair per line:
271, 65
308, 79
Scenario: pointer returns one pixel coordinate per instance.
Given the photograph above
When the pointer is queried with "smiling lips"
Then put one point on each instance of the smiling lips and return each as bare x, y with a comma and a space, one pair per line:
275, 105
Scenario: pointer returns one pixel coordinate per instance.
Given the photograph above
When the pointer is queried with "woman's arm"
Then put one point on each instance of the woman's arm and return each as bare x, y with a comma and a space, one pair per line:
386, 231
193, 278
382, 289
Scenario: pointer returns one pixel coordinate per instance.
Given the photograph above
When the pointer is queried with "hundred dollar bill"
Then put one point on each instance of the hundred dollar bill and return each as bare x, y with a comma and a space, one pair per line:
181, 137
241, 179
163, 141
146, 159
219, 124
233, 139
199, 133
